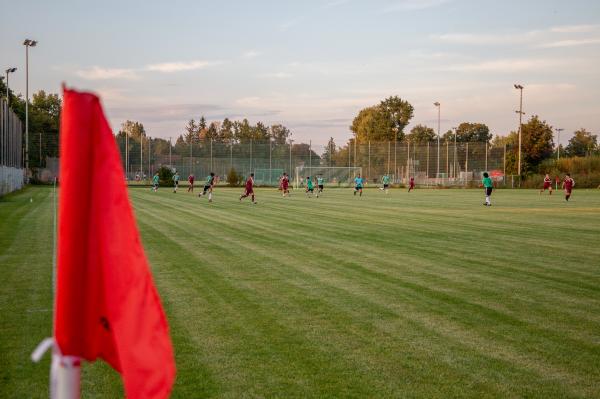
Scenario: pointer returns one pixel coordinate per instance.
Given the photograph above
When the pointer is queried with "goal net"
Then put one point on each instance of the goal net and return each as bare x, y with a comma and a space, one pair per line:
267, 177
332, 176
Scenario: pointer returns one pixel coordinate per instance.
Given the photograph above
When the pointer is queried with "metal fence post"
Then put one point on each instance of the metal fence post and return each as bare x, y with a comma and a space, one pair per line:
428, 163
389, 156
310, 155
504, 165
141, 157
369, 173
467, 161
486, 157
127, 154
395, 154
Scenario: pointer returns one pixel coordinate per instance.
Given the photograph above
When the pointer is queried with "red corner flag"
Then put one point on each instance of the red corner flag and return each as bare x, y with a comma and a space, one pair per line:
106, 304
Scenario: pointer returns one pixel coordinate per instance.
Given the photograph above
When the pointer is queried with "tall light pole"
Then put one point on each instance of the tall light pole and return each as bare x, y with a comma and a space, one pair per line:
1, 136
454, 163
27, 43
437, 174
521, 113
558, 130
291, 142
8, 70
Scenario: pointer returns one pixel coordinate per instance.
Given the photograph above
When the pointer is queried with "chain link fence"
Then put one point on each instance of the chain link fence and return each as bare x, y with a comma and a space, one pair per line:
449, 164
11, 150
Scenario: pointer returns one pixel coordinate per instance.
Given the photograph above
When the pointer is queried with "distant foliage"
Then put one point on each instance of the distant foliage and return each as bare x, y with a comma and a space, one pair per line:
234, 179
165, 176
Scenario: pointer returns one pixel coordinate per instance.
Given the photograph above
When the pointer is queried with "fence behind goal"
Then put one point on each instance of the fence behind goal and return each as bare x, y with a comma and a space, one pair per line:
333, 176
448, 164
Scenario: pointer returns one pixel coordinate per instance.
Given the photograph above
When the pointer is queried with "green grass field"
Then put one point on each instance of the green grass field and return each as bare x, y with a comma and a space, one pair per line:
428, 294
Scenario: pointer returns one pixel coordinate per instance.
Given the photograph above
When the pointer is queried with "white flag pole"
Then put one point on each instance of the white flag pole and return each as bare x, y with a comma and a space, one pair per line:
65, 371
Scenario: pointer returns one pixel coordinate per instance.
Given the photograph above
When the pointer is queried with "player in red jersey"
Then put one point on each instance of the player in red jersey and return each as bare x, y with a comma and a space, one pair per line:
285, 182
249, 188
568, 185
411, 185
191, 183
547, 185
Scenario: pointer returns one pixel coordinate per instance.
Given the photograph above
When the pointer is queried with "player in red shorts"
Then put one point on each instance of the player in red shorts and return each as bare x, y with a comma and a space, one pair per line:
249, 188
568, 185
285, 182
191, 183
411, 185
547, 185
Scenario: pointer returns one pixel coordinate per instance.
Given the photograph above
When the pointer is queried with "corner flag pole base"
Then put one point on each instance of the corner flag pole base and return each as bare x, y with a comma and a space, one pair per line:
65, 372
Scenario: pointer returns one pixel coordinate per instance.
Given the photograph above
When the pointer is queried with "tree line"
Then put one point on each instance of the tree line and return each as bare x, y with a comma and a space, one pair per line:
44, 120
388, 120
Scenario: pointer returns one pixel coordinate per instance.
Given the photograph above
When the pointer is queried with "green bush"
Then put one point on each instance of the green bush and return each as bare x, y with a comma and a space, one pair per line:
165, 176
233, 179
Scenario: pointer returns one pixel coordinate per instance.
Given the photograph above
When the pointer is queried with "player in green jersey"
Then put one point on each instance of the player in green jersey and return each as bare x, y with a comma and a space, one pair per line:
320, 182
385, 180
208, 186
155, 179
175, 182
358, 185
488, 185
310, 188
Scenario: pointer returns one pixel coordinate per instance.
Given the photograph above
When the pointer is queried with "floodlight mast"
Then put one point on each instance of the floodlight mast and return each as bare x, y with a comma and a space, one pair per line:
521, 113
27, 43
558, 130
437, 174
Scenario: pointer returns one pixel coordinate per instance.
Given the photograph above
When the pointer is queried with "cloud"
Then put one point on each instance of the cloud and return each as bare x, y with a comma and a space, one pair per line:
571, 42
251, 54
575, 28
99, 73
525, 37
277, 75
405, 5
504, 65
334, 3
248, 101
162, 112
169, 67
290, 23
487, 39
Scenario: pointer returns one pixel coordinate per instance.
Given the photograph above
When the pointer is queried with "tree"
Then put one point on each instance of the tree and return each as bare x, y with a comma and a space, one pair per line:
582, 143
421, 134
212, 133
397, 113
536, 142
133, 129
330, 151
279, 134
260, 132
243, 130
226, 132
383, 122
473, 132
191, 131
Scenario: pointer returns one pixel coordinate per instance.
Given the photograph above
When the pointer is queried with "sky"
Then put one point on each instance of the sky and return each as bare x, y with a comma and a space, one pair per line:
312, 65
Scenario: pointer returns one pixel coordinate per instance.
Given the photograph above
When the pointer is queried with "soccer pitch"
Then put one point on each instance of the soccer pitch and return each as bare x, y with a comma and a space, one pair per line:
427, 294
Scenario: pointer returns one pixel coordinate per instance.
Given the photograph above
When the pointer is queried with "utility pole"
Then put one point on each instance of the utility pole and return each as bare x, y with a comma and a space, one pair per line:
437, 175
291, 142
521, 113
27, 43
558, 130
